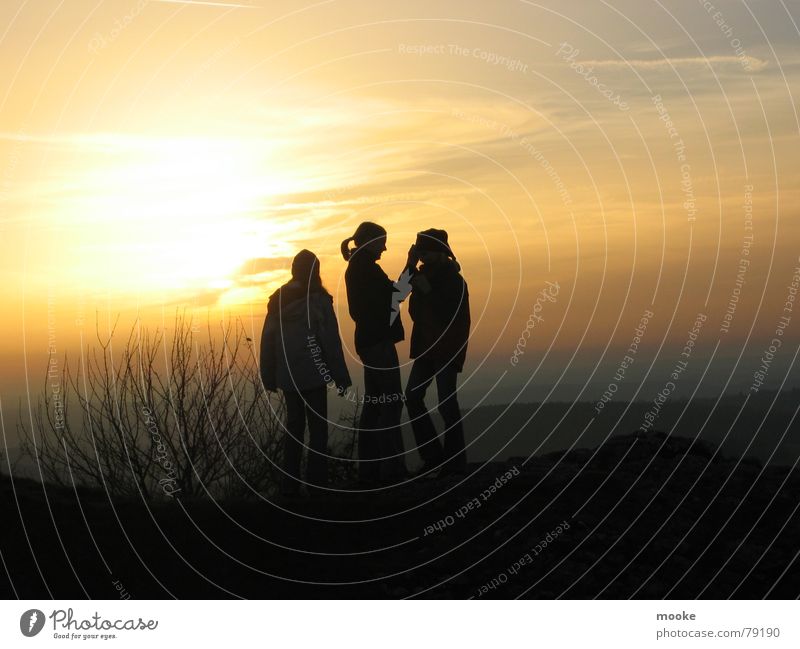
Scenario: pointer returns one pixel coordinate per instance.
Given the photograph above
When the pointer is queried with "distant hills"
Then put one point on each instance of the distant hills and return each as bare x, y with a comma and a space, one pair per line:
762, 425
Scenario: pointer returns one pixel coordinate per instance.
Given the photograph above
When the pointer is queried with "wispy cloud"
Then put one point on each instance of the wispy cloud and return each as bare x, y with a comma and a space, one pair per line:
260, 265
755, 64
208, 3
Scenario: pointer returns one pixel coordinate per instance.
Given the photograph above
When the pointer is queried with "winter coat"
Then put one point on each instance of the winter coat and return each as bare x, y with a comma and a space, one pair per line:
369, 298
441, 315
300, 344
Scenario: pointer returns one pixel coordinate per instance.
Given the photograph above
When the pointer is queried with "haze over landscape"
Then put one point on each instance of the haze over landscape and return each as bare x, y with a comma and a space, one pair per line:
158, 156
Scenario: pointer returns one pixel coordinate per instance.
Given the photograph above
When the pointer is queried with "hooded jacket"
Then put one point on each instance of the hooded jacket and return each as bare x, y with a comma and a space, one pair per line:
369, 299
300, 344
441, 315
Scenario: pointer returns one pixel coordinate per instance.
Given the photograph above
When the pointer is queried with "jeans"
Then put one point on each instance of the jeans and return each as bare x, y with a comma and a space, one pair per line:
380, 439
454, 455
310, 405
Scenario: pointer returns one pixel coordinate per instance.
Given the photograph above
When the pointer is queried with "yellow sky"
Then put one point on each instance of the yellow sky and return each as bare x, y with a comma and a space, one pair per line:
160, 154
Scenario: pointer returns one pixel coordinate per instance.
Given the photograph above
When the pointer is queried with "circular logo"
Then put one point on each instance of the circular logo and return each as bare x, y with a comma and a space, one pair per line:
31, 622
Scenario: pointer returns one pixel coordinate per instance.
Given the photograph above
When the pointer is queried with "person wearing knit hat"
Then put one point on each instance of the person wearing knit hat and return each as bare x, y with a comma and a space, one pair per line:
439, 307
433, 240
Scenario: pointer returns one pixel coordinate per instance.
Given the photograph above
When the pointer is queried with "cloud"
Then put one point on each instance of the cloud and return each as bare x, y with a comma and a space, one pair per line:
207, 297
260, 265
749, 63
209, 3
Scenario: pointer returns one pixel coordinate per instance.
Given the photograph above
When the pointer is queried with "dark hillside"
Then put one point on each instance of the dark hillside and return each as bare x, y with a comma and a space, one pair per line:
643, 516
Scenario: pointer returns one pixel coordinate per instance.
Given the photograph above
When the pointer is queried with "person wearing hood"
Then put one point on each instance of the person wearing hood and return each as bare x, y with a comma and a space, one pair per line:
373, 302
301, 353
439, 307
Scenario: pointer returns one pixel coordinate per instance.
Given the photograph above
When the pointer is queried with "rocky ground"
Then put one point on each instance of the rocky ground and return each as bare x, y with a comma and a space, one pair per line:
641, 516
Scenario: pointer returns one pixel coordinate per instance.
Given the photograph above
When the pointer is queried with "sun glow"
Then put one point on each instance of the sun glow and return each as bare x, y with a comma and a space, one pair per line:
180, 215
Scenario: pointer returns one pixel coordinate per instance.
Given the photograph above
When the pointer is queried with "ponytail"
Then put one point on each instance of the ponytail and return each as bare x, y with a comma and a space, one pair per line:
345, 248
365, 232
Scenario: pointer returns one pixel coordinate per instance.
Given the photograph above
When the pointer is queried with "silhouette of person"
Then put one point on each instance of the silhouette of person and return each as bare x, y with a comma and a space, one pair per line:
301, 353
370, 296
439, 307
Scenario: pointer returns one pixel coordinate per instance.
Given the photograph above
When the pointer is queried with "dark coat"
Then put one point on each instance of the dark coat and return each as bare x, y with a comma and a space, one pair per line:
441, 315
300, 344
369, 298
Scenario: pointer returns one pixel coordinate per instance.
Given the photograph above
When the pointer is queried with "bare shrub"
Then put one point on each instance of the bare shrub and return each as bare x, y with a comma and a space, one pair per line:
168, 417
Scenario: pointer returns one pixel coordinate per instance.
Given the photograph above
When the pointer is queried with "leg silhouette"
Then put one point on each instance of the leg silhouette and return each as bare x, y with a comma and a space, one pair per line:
316, 413
428, 445
380, 434
454, 451
293, 441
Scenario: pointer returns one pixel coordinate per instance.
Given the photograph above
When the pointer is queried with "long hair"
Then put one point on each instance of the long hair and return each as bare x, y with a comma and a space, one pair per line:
365, 232
305, 270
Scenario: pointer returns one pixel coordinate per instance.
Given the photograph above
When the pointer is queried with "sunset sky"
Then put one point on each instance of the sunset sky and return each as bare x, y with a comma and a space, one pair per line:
159, 154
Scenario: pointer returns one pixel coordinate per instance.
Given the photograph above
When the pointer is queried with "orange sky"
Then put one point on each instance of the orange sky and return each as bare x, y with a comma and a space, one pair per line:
155, 155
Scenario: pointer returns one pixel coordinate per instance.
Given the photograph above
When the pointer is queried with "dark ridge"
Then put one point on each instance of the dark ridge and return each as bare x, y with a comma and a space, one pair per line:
646, 516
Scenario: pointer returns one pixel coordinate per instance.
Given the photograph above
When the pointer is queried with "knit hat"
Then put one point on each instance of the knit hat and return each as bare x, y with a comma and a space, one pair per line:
433, 240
